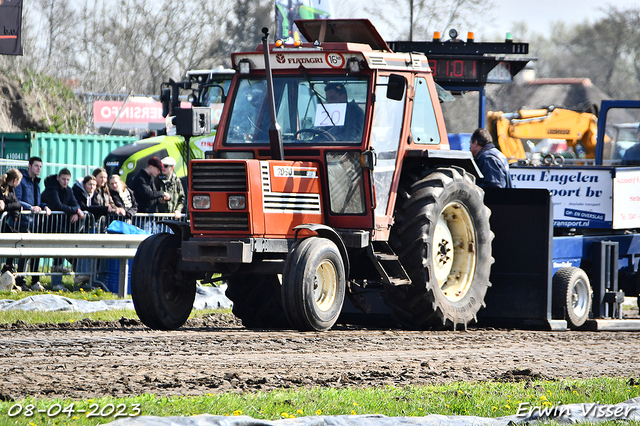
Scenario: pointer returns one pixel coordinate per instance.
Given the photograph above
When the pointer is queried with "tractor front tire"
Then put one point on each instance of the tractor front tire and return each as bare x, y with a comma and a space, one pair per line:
314, 285
443, 239
572, 294
162, 297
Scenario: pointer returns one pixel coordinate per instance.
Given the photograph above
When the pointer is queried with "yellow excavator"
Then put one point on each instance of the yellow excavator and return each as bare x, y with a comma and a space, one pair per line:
559, 131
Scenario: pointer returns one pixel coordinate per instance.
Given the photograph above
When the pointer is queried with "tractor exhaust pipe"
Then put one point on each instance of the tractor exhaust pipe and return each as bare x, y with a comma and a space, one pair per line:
275, 133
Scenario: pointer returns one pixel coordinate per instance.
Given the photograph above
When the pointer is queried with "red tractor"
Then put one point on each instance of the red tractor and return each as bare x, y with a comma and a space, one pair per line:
330, 176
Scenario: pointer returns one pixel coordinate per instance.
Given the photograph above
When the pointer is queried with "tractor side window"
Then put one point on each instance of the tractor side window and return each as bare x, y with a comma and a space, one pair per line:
346, 184
424, 126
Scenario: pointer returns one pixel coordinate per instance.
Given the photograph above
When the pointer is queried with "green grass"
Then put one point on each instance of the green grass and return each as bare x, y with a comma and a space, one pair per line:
485, 399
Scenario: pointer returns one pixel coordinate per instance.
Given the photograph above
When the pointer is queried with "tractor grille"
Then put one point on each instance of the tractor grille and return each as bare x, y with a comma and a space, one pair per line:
223, 221
219, 177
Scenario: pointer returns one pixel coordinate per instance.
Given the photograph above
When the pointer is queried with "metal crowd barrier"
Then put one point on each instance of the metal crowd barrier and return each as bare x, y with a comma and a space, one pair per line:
75, 247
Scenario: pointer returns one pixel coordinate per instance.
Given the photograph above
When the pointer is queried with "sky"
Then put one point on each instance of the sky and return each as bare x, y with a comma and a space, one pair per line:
539, 15
542, 14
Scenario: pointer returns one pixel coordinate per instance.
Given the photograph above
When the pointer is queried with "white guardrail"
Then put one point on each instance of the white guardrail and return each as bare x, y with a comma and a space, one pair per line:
87, 246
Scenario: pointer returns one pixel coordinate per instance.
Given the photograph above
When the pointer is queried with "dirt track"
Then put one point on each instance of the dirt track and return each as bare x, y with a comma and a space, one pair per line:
83, 360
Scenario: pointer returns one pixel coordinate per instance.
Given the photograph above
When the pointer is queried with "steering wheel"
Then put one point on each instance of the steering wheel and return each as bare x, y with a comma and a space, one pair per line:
317, 132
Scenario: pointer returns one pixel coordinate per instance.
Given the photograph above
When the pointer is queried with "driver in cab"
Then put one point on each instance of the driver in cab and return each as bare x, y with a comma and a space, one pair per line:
350, 128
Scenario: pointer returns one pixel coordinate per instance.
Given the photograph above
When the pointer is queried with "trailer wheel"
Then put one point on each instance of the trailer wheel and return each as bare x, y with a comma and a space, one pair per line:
314, 285
443, 239
256, 300
572, 293
162, 297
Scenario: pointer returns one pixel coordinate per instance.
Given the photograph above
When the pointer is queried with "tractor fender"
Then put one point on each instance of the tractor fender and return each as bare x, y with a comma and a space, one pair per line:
331, 234
181, 229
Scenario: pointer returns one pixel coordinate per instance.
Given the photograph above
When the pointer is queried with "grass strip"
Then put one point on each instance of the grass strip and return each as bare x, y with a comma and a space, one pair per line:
484, 399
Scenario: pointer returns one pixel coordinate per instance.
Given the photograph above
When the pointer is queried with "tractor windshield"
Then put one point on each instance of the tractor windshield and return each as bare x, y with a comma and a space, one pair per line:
317, 110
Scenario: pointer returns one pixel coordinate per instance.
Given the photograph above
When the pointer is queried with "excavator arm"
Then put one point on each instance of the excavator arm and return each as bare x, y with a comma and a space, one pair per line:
514, 133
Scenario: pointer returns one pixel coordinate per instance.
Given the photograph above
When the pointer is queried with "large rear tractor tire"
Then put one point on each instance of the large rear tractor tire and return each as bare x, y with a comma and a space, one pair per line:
162, 297
256, 300
314, 285
572, 294
443, 239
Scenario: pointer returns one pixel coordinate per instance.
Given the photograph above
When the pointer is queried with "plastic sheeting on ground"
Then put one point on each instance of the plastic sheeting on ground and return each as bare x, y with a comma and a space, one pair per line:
572, 413
206, 298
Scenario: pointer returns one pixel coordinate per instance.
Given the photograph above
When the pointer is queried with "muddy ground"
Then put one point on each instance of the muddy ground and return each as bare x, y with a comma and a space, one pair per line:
216, 354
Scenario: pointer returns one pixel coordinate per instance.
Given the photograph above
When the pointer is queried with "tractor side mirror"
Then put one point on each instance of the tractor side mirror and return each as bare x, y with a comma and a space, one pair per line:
395, 88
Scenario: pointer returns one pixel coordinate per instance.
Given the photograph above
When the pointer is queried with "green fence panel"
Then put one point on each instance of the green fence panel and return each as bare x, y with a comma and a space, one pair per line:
15, 146
82, 152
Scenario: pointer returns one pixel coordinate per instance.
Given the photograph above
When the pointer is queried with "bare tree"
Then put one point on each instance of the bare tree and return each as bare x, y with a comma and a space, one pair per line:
418, 19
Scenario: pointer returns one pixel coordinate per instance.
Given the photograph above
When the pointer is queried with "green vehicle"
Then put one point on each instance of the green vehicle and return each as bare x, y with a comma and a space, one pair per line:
208, 90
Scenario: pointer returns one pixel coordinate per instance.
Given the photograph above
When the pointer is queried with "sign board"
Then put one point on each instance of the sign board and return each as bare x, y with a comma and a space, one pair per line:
626, 198
134, 115
581, 197
10, 27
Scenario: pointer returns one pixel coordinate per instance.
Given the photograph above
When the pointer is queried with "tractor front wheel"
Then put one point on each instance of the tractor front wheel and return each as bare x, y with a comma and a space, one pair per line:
314, 285
163, 297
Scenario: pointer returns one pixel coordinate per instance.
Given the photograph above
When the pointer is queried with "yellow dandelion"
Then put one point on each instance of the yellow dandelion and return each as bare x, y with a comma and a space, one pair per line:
81, 290
494, 408
507, 406
291, 416
284, 415
353, 412
299, 412
209, 394
71, 320
237, 412
318, 412
419, 409
544, 398
460, 392
355, 404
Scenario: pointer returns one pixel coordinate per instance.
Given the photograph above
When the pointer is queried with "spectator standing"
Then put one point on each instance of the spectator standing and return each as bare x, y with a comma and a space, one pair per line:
146, 188
8, 201
491, 162
101, 196
173, 186
84, 190
122, 196
28, 193
59, 197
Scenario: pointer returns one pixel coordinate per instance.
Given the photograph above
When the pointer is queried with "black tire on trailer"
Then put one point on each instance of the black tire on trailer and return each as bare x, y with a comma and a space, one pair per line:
162, 297
572, 294
256, 300
314, 285
443, 239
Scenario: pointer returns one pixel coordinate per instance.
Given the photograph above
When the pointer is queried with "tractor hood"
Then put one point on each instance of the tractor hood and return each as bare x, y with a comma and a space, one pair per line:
342, 31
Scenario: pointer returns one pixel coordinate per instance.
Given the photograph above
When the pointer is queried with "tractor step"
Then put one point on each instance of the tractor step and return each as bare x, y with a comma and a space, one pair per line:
388, 264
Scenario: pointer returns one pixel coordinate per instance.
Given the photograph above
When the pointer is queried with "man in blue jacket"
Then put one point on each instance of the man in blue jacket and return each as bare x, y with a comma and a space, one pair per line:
491, 162
28, 193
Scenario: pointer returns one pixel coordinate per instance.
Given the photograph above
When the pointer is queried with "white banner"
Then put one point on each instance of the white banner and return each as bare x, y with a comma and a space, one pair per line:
581, 197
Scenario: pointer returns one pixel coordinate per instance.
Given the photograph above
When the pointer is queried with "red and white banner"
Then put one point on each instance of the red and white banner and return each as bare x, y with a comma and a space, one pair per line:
134, 115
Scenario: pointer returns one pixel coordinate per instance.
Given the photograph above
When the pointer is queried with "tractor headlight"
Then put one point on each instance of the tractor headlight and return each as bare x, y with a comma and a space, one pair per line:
201, 202
237, 202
